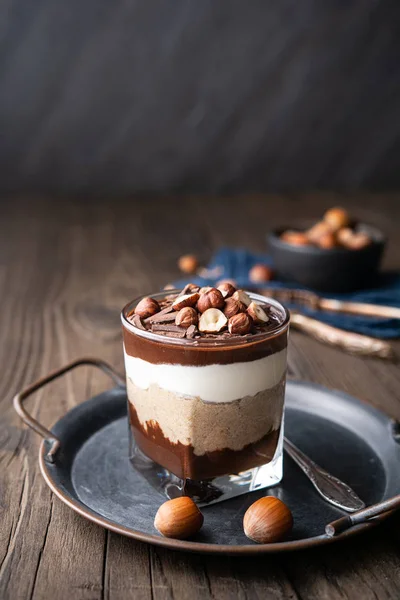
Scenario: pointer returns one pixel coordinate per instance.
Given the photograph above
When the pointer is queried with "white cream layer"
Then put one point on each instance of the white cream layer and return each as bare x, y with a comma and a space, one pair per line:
211, 383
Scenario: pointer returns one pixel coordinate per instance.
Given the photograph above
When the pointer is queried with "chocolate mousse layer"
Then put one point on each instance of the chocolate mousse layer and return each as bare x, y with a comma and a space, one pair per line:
160, 352
181, 460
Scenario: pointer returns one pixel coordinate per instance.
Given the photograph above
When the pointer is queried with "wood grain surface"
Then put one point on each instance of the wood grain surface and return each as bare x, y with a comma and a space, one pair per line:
121, 97
66, 269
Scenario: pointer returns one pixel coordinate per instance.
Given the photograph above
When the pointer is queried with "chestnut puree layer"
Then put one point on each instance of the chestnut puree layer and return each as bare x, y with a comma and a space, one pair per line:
180, 459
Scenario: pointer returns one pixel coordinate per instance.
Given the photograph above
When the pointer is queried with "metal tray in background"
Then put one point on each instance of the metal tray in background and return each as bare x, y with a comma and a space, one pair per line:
84, 460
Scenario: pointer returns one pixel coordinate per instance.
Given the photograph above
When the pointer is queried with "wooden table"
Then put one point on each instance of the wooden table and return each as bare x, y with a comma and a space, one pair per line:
66, 269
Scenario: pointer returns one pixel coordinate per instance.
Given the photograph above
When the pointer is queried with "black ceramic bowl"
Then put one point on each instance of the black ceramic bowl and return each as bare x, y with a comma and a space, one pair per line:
335, 270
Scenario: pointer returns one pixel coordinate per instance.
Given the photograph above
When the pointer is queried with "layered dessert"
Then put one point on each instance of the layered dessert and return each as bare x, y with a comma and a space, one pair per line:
205, 373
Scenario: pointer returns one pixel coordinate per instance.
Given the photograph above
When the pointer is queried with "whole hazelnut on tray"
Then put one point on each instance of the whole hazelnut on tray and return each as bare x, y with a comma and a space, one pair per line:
147, 307
260, 273
179, 518
188, 263
186, 316
212, 298
240, 324
267, 520
337, 218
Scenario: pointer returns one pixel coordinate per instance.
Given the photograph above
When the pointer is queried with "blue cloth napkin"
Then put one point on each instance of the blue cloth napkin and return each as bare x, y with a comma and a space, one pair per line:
235, 263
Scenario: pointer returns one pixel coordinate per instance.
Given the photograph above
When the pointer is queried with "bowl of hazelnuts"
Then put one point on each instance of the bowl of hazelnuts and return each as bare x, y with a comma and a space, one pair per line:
336, 254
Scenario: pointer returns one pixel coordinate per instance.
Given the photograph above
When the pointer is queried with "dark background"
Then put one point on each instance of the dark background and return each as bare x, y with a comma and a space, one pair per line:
104, 97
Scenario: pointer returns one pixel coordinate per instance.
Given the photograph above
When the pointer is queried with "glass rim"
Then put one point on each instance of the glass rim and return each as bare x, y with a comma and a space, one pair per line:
205, 342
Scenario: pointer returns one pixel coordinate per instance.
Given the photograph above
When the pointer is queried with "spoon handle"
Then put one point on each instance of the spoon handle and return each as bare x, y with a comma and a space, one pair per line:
329, 487
355, 343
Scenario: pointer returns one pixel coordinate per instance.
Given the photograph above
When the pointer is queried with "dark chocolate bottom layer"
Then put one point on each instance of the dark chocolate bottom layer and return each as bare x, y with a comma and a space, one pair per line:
181, 460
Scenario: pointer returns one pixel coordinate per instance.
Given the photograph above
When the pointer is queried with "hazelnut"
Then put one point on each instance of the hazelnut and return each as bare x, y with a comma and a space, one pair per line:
212, 321
205, 289
358, 241
226, 289
147, 307
210, 299
186, 316
344, 236
337, 218
257, 313
327, 240
260, 273
185, 300
267, 520
178, 518
240, 324
319, 229
231, 281
242, 297
295, 238
233, 307
188, 263
190, 288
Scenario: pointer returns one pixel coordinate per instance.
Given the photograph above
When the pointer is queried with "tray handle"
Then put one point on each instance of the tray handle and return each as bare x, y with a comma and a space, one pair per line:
52, 440
362, 516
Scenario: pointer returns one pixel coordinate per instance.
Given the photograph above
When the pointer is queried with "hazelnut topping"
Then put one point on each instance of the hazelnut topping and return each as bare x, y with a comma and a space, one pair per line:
240, 324
226, 289
233, 307
210, 299
185, 300
193, 315
212, 320
147, 307
258, 314
242, 297
186, 316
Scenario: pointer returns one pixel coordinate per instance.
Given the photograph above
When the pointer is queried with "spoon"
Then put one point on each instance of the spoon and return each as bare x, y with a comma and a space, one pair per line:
333, 490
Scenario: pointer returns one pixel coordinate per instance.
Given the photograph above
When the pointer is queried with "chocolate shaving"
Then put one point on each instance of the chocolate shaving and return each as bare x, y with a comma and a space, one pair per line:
173, 334
156, 327
191, 331
161, 318
160, 314
169, 318
170, 330
137, 321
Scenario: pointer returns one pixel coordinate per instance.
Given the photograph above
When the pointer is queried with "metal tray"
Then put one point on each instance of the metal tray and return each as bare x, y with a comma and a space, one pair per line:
84, 461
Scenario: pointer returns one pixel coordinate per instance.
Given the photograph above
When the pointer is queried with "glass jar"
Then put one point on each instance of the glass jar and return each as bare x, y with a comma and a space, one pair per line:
206, 415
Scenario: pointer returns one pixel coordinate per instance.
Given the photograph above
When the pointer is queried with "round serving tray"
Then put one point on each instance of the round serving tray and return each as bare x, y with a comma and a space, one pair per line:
84, 460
